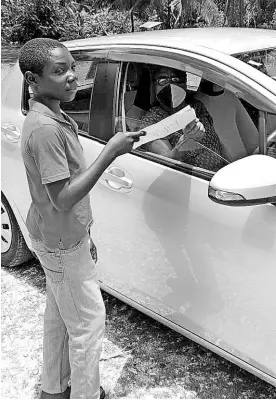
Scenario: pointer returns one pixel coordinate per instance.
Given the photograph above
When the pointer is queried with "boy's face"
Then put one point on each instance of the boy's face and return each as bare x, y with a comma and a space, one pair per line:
58, 81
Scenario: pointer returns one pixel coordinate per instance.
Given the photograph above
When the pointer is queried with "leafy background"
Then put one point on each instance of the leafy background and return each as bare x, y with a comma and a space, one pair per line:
66, 19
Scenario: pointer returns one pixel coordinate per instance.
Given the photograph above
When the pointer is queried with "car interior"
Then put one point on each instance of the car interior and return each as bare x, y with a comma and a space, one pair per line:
137, 101
137, 94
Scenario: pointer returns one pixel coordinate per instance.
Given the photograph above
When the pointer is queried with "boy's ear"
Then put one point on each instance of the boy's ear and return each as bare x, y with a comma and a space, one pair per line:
31, 78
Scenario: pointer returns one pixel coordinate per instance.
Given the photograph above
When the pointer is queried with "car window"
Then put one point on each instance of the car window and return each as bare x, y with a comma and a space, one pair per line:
78, 109
226, 114
103, 104
138, 108
27, 94
271, 148
263, 60
271, 135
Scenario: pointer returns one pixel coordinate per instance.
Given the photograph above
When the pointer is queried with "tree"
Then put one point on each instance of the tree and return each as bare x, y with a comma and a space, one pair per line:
233, 17
241, 12
259, 13
251, 13
174, 13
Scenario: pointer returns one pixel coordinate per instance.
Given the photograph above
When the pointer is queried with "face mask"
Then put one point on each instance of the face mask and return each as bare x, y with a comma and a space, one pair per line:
171, 96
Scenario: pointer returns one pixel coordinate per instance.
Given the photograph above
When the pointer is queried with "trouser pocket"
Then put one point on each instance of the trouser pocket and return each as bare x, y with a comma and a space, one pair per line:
50, 261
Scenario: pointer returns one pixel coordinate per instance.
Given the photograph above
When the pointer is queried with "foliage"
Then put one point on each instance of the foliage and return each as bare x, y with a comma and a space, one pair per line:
103, 22
25, 19
249, 13
174, 13
68, 19
64, 20
260, 13
273, 21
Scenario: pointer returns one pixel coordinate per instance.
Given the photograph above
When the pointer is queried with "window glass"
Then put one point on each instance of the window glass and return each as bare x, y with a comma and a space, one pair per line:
104, 100
78, 109
134, 96
271, 135
263, 60
144, 92
271, 148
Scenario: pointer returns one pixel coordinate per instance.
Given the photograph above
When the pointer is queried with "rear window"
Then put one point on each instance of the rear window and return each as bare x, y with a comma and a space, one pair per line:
263, 60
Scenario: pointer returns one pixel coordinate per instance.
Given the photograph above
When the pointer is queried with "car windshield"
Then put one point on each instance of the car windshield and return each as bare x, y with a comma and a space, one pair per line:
263, 60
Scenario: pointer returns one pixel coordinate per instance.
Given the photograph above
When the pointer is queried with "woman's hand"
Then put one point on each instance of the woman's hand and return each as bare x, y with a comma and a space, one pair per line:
192, 133
194, 130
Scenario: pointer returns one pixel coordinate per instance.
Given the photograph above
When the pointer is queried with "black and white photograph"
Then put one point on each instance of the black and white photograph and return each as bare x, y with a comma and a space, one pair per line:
138, 199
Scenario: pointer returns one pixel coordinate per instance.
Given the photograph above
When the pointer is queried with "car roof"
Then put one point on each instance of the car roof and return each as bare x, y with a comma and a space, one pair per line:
225, 40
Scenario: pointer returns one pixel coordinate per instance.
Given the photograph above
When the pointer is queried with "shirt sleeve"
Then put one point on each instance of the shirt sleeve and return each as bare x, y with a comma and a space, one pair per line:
47, 147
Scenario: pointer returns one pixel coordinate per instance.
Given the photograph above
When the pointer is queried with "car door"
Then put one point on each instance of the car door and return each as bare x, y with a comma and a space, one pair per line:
164, 246
13, 177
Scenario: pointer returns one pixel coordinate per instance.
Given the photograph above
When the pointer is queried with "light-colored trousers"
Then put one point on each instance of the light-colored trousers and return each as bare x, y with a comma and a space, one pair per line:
74, 320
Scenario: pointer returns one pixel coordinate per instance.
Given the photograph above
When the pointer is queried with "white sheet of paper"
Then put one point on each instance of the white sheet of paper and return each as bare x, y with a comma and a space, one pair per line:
167, 126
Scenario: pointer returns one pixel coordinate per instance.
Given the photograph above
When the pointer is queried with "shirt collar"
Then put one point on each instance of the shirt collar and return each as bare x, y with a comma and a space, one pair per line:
44, 110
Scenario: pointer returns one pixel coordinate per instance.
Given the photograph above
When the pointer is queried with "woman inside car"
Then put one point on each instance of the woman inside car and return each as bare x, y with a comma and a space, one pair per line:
197, 144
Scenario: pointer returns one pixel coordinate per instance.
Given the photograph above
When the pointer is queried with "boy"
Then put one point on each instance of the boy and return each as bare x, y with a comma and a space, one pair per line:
59, 220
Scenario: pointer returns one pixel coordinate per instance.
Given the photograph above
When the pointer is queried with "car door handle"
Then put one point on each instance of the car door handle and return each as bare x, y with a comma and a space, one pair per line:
11, 132
116, 179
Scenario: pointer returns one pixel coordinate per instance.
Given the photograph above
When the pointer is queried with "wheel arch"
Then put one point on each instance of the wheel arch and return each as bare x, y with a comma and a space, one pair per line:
18, 217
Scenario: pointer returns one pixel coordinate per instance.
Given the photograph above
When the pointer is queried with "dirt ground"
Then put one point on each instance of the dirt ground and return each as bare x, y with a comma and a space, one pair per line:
140, 359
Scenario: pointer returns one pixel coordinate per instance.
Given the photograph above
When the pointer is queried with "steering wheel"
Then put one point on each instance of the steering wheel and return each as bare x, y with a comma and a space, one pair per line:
270, 139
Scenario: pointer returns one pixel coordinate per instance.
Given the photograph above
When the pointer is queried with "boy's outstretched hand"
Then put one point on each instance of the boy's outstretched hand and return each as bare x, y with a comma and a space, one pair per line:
122, 142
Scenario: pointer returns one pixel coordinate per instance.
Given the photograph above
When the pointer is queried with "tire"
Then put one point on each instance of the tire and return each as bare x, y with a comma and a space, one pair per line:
14, 250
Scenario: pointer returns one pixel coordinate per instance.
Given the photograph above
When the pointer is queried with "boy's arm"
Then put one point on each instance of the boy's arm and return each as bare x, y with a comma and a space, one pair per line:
64, 194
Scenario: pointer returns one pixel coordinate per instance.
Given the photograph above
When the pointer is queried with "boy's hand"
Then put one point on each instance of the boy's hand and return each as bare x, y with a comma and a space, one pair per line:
122, 142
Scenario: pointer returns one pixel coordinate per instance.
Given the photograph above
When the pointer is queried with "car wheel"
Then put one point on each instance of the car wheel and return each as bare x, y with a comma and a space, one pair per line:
14, 250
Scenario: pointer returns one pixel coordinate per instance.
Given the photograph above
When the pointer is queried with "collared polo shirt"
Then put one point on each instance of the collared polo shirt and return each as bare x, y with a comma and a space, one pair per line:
51, 151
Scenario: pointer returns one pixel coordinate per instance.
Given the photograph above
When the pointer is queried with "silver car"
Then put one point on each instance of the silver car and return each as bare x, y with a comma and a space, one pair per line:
192, 247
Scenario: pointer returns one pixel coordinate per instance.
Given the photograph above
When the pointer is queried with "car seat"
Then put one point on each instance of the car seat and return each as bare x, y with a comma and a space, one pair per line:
236, 130
137, 95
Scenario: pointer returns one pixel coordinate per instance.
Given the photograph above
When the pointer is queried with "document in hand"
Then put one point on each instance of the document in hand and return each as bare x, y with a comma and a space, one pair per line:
167, 126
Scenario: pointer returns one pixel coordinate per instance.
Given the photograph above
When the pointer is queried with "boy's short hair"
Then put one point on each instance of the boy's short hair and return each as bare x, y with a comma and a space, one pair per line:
35, 53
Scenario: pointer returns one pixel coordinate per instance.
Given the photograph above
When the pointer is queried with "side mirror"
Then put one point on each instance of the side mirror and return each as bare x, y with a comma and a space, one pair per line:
245, 182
